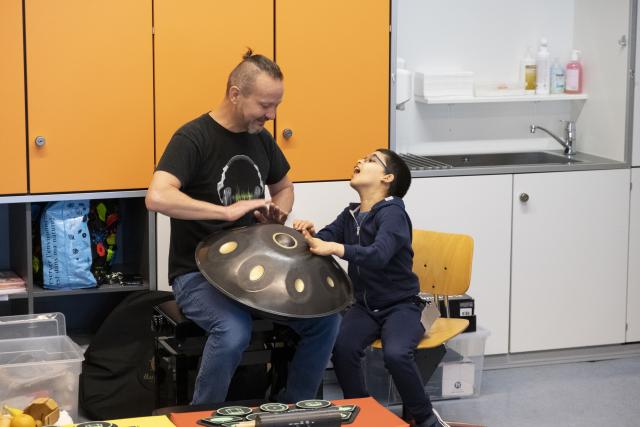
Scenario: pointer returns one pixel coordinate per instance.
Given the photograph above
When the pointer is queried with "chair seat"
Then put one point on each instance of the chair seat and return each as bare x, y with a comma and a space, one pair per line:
442, 330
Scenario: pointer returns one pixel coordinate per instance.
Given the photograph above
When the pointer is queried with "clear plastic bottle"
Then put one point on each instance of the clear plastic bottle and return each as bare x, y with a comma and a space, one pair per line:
557, 77
542, 68
574, 74
528, 72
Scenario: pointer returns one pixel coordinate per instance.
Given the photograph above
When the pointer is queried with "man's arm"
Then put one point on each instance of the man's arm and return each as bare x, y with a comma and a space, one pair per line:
282, 202
164, 196
282, 194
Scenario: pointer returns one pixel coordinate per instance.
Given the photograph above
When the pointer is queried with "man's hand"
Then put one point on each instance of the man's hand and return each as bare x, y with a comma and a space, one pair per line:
320, 247
271, 214
239, 209
303, 224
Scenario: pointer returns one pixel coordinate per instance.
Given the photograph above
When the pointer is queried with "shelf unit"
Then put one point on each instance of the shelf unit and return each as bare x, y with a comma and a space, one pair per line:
505, 98
83, 308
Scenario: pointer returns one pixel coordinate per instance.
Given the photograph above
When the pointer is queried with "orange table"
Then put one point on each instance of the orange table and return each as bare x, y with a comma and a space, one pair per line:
371, 414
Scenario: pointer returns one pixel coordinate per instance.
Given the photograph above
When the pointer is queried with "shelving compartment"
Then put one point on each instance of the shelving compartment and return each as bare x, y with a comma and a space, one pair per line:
131, 255
14, 254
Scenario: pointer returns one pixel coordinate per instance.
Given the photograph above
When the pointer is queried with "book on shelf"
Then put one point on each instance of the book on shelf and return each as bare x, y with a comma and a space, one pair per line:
10, 280
18, 290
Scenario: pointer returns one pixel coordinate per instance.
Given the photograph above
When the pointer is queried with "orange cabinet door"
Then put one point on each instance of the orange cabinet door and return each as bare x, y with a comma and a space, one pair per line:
335, 58
197, 44
90, 94
13, 161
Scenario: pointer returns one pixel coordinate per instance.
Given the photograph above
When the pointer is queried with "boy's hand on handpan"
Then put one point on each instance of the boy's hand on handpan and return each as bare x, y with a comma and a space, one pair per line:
320, 247
303, 224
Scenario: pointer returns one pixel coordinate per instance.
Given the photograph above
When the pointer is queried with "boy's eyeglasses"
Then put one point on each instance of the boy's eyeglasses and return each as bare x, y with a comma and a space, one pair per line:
375, 158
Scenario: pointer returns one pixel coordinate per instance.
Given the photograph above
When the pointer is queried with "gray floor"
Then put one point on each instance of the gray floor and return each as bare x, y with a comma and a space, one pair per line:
586, 394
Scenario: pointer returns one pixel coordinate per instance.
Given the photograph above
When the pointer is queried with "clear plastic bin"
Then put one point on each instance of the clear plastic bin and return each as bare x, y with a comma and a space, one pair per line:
458, 375
37, 359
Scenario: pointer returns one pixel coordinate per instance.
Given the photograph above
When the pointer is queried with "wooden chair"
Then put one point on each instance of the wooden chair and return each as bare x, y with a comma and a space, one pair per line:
442, 262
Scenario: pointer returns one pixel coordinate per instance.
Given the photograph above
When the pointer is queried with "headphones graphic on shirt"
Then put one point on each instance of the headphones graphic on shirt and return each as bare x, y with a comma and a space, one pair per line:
225, 192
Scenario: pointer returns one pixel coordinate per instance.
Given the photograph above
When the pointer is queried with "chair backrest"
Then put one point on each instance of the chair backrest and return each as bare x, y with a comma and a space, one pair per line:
442, 261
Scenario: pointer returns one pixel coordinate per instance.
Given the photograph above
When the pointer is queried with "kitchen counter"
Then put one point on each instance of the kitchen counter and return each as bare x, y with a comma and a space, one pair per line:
581, 162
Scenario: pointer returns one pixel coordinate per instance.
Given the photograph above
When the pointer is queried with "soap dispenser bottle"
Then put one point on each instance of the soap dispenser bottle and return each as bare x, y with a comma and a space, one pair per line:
528, 72
557, 77
574, 74
542, 68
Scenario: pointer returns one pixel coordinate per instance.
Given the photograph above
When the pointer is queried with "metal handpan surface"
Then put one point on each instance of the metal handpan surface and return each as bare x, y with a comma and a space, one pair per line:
269, 268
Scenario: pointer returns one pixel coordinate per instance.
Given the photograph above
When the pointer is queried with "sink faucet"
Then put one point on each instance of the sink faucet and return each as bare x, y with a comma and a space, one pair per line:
569, 136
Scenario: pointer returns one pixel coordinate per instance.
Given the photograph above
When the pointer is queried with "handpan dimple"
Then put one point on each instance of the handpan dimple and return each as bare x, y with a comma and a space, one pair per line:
269, 268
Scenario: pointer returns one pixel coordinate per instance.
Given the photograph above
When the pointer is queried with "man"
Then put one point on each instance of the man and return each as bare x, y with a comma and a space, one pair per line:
212, 176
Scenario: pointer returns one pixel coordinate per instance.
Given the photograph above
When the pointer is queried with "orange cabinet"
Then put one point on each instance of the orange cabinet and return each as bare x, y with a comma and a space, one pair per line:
90, 94
197, 44
13, 161
335, 57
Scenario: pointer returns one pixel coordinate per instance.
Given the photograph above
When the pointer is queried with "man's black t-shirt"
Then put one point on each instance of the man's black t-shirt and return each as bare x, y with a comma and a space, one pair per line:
218, 166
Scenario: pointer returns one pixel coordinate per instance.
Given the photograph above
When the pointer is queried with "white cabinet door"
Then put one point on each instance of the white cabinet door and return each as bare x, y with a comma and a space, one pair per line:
163, 235
635, 153
569, 259
481, 207
633, 292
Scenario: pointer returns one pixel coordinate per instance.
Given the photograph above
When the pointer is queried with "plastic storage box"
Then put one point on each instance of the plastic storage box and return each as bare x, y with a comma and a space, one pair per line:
458, 375
37, 359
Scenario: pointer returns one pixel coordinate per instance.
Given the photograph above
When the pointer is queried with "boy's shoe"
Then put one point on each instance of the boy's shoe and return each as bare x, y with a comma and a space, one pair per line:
433, 421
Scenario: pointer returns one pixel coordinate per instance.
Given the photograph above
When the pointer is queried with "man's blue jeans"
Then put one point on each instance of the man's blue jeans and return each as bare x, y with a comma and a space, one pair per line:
229, 325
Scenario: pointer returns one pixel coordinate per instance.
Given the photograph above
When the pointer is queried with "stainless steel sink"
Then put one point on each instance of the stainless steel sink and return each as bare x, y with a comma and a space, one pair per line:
484, 160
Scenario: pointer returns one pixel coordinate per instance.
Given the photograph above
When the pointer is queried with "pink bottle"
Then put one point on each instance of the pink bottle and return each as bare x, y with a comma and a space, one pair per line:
574, 73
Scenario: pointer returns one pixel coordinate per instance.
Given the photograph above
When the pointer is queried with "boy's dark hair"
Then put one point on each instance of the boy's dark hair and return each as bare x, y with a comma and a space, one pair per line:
402, 175
244, 74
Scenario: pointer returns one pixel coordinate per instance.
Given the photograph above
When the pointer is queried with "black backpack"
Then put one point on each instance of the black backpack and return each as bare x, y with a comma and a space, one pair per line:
117, 379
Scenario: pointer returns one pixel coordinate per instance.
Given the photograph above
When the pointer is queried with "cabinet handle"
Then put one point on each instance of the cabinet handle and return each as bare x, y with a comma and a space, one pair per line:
40, 141
287, 133
622, 41
524, 197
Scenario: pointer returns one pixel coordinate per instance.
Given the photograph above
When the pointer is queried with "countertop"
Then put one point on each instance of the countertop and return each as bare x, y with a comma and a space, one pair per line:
584, 162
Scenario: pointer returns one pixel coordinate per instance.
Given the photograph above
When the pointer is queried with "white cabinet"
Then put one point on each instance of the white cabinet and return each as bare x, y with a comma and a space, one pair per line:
481, 207
569, 259
633, 291
635, 154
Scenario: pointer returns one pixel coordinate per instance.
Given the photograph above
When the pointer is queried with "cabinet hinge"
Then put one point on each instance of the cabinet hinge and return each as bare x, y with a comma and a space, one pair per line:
153, 30
630, 186
626, 327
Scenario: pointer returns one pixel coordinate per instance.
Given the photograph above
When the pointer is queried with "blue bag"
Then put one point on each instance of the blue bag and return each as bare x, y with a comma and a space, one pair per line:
66, 245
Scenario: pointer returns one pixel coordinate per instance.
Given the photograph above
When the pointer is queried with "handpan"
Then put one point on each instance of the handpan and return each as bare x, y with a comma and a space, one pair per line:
269, 268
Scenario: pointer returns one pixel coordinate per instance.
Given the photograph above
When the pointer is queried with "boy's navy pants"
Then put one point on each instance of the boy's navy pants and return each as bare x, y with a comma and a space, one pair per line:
400, 329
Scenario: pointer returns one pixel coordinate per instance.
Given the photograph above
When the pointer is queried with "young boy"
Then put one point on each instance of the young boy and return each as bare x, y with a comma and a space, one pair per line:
375, 237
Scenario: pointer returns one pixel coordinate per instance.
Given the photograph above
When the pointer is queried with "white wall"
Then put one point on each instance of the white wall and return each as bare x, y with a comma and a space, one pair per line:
599, 25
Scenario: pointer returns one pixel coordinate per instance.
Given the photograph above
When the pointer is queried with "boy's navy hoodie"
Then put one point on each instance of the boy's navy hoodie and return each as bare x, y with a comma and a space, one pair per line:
379, 252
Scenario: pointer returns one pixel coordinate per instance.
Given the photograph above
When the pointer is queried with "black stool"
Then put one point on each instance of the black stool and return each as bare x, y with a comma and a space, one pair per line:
181, 342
